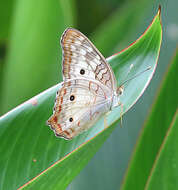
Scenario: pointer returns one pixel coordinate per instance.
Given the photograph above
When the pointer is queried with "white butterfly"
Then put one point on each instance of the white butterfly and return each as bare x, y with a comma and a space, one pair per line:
89, 89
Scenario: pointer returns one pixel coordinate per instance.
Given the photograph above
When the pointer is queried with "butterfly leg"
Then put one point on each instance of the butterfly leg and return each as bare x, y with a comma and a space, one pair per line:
122, 110
105, 119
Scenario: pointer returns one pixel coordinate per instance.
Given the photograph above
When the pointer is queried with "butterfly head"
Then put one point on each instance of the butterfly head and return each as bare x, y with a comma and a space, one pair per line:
116, 96
120, 90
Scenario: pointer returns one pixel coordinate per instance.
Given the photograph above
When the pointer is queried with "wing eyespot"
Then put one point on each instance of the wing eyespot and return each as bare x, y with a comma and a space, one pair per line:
82, 71
70, 119
72, 98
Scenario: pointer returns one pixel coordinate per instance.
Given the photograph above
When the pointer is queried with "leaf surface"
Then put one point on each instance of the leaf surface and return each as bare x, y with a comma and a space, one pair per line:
154, 132
29, 148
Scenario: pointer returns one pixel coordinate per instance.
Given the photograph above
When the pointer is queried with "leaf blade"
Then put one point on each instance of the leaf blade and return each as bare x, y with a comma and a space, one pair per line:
47, 149
166, 161
146, 150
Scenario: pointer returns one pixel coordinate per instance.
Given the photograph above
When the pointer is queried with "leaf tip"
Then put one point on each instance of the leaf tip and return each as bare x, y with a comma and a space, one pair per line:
159, 10
159, 15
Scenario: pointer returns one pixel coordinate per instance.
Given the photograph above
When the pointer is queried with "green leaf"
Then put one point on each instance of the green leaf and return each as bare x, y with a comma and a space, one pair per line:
34, 49
28, 147
154, 132
164, 174
6, 7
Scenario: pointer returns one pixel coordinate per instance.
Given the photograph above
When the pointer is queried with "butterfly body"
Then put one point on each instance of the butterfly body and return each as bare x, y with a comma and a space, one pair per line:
89, 89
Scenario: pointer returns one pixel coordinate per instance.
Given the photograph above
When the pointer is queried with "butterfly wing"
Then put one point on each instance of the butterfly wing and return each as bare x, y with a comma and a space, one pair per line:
82, 59
79, 103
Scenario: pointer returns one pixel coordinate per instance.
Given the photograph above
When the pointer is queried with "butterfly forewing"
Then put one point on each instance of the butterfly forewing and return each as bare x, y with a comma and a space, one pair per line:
88, 88
82, 59
78, 102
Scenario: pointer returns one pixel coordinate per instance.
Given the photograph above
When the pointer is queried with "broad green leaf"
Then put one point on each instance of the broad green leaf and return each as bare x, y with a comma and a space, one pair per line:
1, 72
6, 10
34, 49
107, 168
6, 7
154, 132
164, 174
28, 147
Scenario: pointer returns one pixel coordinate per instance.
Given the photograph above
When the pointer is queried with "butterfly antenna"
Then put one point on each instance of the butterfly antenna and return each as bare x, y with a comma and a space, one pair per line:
148, 68
120, 89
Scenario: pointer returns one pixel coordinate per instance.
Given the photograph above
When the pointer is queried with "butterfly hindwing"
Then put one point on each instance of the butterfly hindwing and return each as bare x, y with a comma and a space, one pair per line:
82, 59
78, 102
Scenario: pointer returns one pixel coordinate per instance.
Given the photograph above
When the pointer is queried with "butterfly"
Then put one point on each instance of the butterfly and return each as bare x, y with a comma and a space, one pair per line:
89, 89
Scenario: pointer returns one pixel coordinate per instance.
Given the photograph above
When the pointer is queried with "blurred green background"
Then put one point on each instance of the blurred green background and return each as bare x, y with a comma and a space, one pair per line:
30, 62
